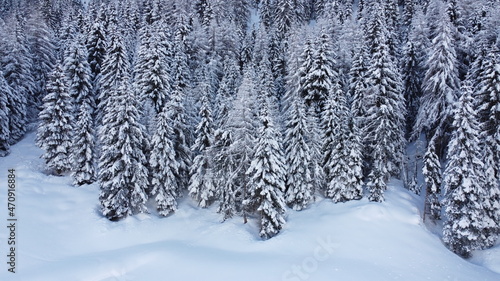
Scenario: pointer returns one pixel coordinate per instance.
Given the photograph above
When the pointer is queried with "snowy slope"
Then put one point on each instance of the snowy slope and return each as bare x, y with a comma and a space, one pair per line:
61, 236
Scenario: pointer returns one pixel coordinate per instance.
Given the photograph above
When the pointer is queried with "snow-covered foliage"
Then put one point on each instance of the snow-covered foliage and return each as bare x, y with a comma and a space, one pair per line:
55, 131
201, 185
267, 177
467, 217
299, 157
163, 165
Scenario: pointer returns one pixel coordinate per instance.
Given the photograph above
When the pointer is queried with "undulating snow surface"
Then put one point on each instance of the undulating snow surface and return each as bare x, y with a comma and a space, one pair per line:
62, 236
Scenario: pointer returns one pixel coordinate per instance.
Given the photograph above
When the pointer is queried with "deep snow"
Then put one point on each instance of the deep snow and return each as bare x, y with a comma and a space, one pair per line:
62, 236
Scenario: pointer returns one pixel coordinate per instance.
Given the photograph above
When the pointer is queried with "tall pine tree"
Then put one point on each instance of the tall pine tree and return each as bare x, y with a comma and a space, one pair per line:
467, 218
267, 177
55, 131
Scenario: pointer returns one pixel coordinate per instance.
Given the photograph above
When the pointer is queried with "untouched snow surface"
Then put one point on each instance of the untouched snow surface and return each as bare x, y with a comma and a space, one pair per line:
62, 236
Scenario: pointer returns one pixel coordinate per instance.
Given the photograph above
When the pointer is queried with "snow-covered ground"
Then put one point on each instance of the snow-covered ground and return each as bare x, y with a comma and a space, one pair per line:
61, 236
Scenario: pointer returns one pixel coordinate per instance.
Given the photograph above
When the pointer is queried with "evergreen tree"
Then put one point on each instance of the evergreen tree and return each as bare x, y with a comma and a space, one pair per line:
77, 72
115, 66
488, 98
267, 177
201, 185
284, 16
412, 81
234, 143
178, 117
96, 46
16, 65
491, 198
164, 165
354, 153
320, 80
433, 180
343, 167
266, 12
306, 60
440, 86
55, 131
84, 155
228, 87
123, 173
5, 92
151, 69
467, 218
358, 83
43, 50
225, 170
299, 181
384, 122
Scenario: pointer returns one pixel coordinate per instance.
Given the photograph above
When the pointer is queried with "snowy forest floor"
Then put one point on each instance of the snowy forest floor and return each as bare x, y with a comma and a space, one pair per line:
61, 235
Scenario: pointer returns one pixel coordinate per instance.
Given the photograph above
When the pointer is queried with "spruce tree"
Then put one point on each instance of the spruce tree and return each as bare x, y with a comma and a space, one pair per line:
466, 216
164, 166
43, 49
234, 144
491, 198
152, 79
344, 176
96, 47
433, 180
322, 76
16, 66
123, 173
115, 66
440, 85
299, 180
5, 92
84, 146
267, 177
77, 72
182, 138
55, 131
384, 122
201, 185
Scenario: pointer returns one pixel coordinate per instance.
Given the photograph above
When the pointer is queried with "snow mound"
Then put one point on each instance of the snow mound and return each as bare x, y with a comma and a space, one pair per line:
62, 236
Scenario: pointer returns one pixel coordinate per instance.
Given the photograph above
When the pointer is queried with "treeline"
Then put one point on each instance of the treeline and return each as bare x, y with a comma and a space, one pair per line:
258, 105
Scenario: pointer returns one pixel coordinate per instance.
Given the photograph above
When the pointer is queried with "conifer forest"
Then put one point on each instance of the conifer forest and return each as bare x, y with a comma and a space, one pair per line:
259, 107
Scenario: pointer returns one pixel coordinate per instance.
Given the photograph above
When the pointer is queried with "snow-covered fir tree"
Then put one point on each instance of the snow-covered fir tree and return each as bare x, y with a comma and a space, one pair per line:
163, 165
16, 67
466, 216
488, 99
182, 138
123, 172
322, 76
55, 131
152, 79
234, 144
96, 47
115, 67
267, 177
433, 180
440, 85
358, 83
42, 45
344, 178
77, 71
78, 75
84, 144
201, 185
299, 175
384, 121
5, 92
